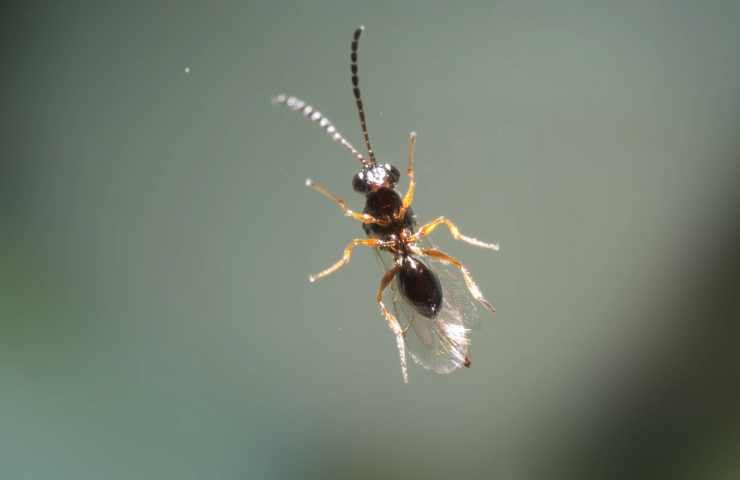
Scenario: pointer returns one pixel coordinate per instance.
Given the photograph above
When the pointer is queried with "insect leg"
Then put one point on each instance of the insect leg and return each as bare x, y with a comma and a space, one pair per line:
392, 322
409, 197
429, 228
449, 260
362, 217
365, 242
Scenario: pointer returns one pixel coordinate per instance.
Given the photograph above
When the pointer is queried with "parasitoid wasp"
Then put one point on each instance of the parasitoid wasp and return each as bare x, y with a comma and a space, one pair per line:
437, 305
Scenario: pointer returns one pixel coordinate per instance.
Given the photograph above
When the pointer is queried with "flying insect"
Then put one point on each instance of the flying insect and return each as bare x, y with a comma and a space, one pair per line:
433, 303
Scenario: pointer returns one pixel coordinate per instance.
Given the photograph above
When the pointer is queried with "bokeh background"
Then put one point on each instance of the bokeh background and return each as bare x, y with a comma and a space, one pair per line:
155, 315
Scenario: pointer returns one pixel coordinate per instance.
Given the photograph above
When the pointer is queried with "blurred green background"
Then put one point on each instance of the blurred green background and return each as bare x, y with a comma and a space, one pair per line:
155, 315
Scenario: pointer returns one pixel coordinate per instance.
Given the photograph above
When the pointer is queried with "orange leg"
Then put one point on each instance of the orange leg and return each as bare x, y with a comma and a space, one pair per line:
392, 322
409, 197
469, 282
362, 217
429, 228
365, 242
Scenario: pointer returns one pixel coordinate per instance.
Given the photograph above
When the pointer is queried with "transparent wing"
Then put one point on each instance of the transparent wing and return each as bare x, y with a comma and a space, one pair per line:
440, 344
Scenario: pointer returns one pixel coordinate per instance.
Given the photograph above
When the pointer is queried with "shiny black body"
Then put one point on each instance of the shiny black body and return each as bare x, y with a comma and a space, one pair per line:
420, 286
416, 281
385, 203
441, 318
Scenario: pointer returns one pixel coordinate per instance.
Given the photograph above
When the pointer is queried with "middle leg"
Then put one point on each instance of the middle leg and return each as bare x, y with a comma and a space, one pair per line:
454, 231
346, 256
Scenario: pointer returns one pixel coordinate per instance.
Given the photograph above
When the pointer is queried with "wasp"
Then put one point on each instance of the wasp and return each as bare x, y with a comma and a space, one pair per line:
436, 304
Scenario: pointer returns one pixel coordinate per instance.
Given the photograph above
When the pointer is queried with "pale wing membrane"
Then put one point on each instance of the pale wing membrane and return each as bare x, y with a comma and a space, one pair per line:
440, 344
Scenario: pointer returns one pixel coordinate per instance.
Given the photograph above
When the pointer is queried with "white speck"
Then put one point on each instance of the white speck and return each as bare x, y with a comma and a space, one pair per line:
311, 278
187, 69
309, 182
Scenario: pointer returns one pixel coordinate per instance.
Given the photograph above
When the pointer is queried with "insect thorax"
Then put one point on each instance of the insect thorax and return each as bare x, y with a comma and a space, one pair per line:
385, 203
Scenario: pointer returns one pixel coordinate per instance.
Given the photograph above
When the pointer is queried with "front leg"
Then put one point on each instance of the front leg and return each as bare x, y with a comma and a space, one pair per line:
362, 217
409, 197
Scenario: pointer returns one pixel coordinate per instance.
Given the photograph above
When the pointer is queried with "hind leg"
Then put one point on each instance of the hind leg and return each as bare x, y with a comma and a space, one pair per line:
393, 322
441, 256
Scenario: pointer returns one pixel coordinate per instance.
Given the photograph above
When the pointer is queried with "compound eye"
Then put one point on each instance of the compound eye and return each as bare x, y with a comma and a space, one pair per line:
359, 183
394, 173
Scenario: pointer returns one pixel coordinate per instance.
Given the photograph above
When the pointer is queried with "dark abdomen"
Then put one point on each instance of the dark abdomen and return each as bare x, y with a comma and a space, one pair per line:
420, 286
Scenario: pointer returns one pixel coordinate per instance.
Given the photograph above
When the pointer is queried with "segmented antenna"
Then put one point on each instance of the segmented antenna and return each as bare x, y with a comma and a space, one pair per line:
356, 91
298, 105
